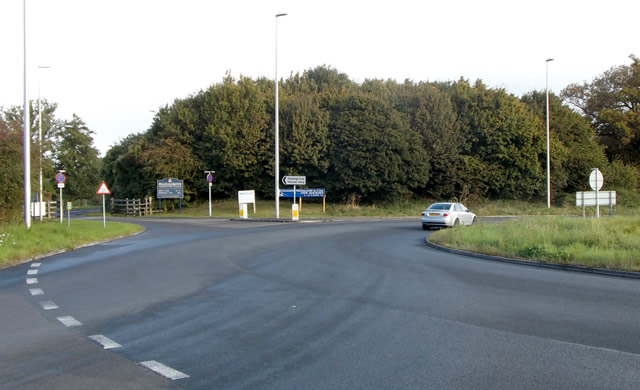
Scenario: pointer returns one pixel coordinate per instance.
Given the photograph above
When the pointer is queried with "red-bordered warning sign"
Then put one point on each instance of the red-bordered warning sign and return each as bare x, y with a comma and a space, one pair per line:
103, 189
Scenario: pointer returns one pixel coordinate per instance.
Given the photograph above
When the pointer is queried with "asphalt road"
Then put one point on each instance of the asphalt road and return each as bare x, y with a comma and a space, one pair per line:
215, 304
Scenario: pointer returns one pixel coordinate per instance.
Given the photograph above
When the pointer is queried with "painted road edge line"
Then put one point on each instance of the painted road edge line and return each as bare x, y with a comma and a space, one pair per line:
106, 342
69, 321
35, 265
163, 370
32, 280
32, 272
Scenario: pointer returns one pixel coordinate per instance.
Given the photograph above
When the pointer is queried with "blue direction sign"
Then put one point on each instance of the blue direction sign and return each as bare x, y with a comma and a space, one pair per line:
303, 193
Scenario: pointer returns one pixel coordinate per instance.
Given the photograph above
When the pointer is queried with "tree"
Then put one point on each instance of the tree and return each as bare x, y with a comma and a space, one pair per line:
373, 153
611, 102
76, 155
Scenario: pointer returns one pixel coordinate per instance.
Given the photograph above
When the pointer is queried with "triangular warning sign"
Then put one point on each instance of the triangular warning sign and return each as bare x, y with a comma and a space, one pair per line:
103, 189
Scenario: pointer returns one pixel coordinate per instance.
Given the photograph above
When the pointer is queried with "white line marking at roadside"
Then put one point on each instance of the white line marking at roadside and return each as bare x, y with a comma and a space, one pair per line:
32, 280
32, 272
163, 370
35, 265
36, 291
106, 342
69, 321
48, 305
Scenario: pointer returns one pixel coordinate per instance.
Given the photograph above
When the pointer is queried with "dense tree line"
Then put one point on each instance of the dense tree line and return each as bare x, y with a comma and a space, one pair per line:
66, 144
364, 142
369, 142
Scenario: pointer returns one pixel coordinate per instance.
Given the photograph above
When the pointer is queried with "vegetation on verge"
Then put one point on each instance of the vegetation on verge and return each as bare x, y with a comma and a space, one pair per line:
17, 243
609, 243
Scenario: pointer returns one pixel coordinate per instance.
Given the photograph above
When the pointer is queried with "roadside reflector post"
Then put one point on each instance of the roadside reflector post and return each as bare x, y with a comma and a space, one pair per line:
243, 210
294, 212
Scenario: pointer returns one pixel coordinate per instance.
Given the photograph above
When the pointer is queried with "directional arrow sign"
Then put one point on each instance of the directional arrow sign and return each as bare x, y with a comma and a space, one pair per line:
294, 180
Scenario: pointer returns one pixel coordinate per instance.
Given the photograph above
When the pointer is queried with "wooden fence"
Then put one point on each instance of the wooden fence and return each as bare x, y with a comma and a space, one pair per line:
134, 207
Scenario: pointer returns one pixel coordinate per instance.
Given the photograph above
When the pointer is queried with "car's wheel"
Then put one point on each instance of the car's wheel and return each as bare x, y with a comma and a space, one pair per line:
425, 227
474, 220
456, 222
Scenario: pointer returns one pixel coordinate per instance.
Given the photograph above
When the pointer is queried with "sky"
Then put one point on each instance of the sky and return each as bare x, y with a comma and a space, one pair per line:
115, 63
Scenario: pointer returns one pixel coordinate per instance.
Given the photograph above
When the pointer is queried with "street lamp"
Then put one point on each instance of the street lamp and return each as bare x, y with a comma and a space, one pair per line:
40, 143
548, 144
277, 143
25, 129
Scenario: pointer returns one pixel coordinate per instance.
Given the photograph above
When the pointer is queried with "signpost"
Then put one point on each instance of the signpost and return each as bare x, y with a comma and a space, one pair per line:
169, 188
294, 181
61, 178
596, 180
210, 181
69, 207
103, 190
246, 197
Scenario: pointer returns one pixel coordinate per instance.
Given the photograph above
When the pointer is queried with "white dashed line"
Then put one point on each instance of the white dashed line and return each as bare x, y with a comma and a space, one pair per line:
48, 305
32, 272
32, 280
35, 265
36, 291
106, 342
69, 321
163, 370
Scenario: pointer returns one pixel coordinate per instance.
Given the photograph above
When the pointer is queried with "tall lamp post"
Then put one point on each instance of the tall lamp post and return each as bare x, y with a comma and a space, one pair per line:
277, 142
40, 144
548, 144
25, 129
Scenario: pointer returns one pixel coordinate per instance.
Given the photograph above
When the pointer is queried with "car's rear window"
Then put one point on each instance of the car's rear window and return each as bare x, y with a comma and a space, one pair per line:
440, 206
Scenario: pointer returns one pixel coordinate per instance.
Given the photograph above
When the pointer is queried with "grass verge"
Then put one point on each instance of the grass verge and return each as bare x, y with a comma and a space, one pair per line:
17, 243
609, 243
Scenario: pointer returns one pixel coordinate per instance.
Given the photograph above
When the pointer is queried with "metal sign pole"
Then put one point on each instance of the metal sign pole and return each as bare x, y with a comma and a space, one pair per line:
104, 214
61, 208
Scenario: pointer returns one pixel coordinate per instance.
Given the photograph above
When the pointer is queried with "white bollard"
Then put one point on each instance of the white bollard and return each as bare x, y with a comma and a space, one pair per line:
294, 212
243, 210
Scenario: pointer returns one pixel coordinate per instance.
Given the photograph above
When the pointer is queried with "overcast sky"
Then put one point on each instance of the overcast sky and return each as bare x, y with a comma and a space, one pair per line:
114, 63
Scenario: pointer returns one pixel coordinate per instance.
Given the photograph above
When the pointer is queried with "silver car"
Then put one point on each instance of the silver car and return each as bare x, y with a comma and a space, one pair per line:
447, 215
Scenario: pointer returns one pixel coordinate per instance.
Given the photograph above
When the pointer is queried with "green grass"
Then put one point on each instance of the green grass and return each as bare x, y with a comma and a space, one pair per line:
610, 243
18, 244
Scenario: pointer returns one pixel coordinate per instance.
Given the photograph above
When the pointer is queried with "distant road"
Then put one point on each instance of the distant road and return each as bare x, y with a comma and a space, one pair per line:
215, 304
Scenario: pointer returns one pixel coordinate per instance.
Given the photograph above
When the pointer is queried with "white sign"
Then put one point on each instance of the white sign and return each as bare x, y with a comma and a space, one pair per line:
60, 185
294, 180
103, 189
245, 197
588, 198
596, 180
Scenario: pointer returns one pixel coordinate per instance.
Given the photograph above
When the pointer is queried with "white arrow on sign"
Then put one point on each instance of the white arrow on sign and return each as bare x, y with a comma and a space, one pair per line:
294, 180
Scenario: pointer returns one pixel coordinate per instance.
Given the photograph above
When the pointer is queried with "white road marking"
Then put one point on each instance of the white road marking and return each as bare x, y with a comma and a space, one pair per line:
106, 342
32, 272
36, 291
32, 280
35, 265
69, 321
163, 370
48, 305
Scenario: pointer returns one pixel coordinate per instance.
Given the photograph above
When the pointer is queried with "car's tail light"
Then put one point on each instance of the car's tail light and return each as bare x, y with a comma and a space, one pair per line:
422, 213
445, 214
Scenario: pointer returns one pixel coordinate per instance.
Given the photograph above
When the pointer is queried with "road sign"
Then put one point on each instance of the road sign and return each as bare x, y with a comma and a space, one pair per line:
294, 180
588, 198
103, 189
60, 185
596, 180
60, 177
209, 178
69, 206
169, 188
303, 193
